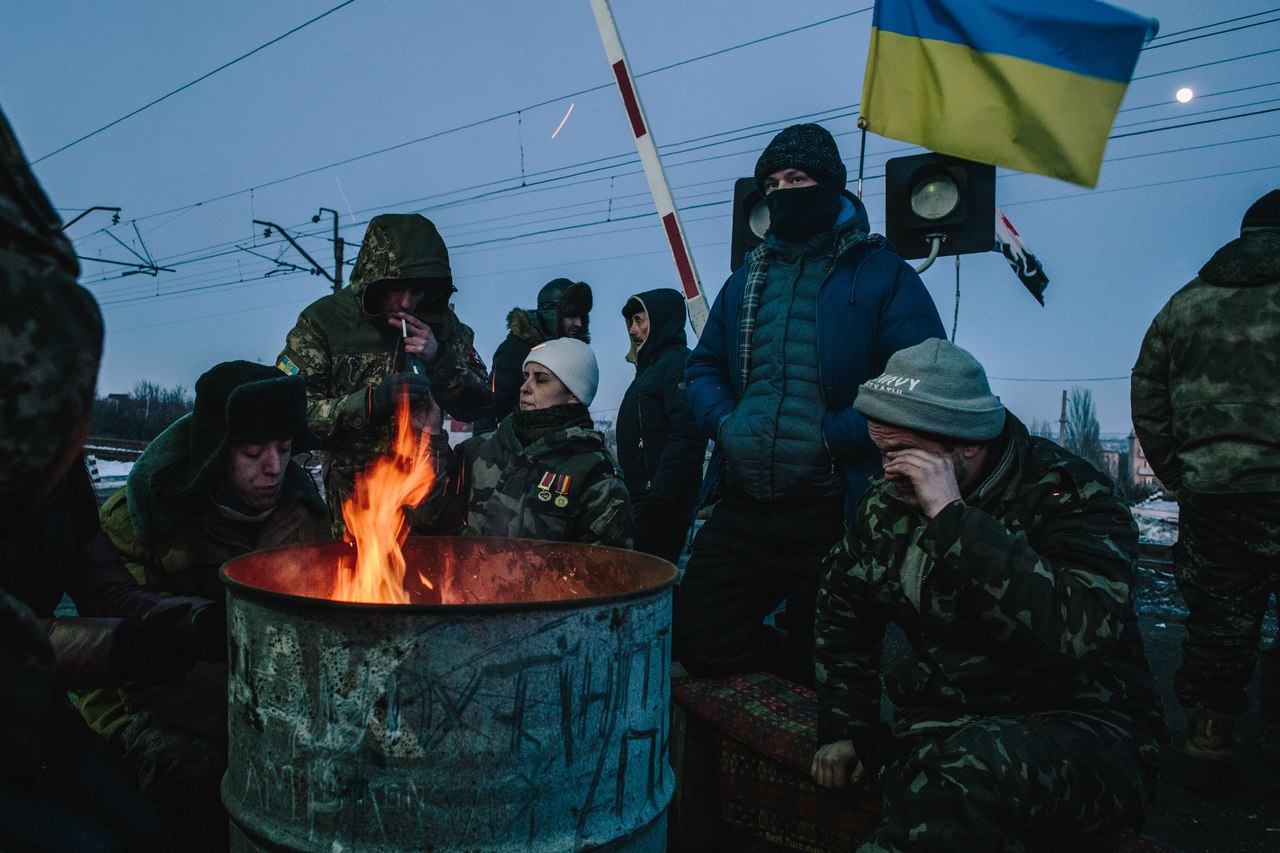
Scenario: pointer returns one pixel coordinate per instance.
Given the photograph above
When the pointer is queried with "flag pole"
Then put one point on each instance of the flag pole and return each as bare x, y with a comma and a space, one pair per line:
862, 154
694, 298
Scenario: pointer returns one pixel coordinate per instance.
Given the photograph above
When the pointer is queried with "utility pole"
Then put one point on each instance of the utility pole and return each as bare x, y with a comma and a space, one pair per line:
1062, 421
338, 246
316, 269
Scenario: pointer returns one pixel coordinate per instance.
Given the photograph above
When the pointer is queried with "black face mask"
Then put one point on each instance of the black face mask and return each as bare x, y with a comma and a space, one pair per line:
795, 214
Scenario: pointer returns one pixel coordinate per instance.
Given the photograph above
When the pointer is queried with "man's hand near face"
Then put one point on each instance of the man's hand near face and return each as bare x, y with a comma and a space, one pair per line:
419, 341
925, 480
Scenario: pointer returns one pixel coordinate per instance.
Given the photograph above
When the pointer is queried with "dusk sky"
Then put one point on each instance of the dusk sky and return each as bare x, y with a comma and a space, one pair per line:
451, 110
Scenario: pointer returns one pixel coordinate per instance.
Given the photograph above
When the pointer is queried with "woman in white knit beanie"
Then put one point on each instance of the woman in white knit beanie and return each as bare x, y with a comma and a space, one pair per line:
544, 472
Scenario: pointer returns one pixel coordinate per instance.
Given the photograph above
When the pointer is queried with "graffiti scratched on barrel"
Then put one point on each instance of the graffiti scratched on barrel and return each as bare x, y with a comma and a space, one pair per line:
535, 726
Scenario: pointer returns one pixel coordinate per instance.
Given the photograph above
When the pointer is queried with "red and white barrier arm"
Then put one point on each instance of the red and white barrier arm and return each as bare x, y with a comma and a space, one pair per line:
694, 298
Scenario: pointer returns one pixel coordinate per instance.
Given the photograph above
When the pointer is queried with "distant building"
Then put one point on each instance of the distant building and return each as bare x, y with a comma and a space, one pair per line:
1140, 474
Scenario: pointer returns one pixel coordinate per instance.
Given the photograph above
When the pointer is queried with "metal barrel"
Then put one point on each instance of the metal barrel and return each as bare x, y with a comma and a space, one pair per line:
533, 718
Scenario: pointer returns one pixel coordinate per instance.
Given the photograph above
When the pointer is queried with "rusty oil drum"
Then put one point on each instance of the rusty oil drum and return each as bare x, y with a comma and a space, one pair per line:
535, 718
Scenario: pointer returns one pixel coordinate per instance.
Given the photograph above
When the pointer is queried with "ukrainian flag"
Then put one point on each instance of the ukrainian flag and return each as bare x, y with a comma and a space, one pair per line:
1032, 85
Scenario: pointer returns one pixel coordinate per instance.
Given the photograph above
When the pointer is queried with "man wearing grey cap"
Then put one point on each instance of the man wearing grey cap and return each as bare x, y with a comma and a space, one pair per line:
1025, 709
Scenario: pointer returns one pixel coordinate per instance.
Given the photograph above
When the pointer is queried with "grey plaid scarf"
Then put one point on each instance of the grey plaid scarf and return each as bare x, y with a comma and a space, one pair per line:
758, 262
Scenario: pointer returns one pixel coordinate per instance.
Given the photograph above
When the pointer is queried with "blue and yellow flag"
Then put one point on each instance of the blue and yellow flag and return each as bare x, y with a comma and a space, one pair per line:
1032, 86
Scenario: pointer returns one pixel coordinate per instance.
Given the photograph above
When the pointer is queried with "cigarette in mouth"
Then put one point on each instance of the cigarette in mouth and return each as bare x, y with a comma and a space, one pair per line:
404, 330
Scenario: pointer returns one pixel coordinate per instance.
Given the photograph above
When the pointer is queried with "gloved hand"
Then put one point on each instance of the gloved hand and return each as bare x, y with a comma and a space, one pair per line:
382, 399
156, 649
210, 623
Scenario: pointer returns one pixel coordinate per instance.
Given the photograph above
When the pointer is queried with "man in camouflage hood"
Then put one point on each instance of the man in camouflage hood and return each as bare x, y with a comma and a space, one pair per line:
564, 311
1025, 710
389, 334
1206, 407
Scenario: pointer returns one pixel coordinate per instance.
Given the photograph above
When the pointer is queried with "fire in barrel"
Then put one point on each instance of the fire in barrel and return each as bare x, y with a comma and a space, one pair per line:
511, 695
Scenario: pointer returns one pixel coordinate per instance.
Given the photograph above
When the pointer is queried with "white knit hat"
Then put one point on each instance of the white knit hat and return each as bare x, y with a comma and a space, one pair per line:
572, 362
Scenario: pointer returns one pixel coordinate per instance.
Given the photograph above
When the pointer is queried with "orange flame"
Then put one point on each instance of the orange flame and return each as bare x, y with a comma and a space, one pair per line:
376, 521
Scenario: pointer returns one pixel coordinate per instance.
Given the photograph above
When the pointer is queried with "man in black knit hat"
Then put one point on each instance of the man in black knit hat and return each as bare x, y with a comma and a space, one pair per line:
816, 310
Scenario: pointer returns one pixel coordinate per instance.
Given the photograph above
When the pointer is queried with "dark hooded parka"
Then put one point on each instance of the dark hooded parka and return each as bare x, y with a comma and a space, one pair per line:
344, 347
660, 448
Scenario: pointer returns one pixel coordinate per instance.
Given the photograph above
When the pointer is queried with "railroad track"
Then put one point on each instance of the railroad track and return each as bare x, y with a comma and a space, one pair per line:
115, 449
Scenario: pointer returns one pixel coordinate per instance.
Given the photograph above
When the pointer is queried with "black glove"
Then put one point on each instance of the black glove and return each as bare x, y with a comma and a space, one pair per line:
157, 649
210, 623
382, 399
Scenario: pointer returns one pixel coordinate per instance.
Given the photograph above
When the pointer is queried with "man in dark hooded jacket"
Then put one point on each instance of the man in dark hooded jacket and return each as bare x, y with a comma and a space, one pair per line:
659, 447
390, 333
817, 309
1206, 407
564, 311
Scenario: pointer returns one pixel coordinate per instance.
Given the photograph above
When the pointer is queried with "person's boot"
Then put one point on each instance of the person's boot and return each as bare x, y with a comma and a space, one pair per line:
1269, 748
1206, 759
1269, 703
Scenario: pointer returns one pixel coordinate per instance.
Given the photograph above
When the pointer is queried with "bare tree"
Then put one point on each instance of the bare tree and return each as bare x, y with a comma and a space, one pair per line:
1042, 428
1081, 432
145, 413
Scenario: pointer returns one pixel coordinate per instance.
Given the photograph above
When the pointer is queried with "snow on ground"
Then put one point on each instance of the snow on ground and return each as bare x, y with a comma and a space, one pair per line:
1157, 521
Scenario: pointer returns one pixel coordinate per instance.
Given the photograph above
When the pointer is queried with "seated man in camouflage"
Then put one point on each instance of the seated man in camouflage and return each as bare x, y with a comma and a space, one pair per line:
1025, 709
217, 484
544, 472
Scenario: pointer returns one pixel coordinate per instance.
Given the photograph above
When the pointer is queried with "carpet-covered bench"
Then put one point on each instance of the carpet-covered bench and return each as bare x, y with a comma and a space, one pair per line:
742, 746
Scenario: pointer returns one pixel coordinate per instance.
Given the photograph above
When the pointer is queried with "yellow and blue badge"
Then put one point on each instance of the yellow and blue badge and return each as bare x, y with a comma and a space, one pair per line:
286, 365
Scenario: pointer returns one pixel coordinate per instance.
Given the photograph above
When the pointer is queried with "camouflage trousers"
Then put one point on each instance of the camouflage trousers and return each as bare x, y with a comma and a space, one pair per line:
1227, 564
1015, 783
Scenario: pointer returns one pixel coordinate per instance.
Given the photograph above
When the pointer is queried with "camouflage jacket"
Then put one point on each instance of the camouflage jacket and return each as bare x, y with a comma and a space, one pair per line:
562, 487
343, 349
1015, 600
1205, 398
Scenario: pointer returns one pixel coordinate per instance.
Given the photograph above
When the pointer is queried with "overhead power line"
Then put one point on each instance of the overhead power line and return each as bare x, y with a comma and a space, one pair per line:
183, 88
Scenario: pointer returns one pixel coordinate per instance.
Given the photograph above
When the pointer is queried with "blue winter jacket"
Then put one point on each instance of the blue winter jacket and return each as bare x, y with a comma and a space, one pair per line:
871, 305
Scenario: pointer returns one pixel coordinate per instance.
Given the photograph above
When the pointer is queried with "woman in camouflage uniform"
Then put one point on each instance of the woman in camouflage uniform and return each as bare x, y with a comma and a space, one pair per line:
544, 473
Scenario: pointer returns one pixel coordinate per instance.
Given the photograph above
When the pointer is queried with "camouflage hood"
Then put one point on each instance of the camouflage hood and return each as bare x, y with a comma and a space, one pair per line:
1248, 261
398, 247
50, 336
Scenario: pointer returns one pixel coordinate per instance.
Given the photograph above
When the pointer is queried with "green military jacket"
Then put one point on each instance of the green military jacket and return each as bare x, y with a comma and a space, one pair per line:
344, 348
561, 487
1205, 400
1015, 600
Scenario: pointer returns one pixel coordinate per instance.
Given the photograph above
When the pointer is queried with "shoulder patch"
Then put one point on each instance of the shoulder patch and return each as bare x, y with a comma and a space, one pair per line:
286, 365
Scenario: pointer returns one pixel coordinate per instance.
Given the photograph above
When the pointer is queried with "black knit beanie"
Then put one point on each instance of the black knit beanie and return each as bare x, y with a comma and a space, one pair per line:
1263, 213
808, 147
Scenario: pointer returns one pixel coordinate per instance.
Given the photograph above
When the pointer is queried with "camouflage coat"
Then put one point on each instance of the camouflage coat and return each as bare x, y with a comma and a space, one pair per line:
1015, 600
1205, 398
343, 348
561, 487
